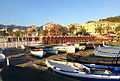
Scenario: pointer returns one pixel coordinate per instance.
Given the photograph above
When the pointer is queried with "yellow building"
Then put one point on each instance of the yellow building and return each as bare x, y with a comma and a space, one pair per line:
77, 26
90, 27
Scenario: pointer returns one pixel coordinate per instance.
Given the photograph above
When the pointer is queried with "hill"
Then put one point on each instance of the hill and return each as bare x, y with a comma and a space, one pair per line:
12, 26
112, 19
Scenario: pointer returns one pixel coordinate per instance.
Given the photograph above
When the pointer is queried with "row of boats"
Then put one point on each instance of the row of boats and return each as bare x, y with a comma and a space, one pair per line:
41, 50
82, 70
88, 71
85, 72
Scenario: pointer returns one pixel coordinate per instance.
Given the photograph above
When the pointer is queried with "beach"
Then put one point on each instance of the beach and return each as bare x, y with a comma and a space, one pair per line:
24, 66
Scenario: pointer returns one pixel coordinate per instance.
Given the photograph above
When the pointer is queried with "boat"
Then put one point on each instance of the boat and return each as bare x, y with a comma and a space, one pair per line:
82, 72
38, 52
117, 69
94, 60
106, 54
77, 46
68, 49
50, 50
111, 51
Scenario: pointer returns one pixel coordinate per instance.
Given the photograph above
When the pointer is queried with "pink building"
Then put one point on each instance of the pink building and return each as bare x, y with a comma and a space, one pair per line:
50, 26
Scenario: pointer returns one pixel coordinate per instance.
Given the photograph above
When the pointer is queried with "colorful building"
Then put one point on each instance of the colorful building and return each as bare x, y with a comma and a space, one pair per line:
52, 26
77, 27
90, 27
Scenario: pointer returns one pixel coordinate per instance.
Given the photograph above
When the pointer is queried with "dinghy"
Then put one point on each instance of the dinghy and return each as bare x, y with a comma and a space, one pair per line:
82, 72
112, 51
68, 49
50, 50
38, 52
77, 46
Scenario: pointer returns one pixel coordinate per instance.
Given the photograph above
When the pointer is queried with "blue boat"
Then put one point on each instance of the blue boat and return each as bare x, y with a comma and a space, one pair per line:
105, 54
112, 51
113, 68
83, 72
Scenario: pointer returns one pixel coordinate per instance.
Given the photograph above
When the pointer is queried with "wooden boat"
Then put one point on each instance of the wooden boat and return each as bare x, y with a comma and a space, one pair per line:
82, 72
38, 52
94, 60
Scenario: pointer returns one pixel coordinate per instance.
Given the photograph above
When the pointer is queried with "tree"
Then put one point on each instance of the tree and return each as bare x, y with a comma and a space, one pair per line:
39, 31
45, 32
72, 29
61, 30
108, 29
99, 29
117, 29
52, 31
83, 31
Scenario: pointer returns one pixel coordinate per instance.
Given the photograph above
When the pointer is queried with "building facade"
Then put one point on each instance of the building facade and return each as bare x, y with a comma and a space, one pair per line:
91, 27
77, 27
54, 27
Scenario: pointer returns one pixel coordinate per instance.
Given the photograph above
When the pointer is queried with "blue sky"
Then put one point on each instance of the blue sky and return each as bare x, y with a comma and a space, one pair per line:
64, 12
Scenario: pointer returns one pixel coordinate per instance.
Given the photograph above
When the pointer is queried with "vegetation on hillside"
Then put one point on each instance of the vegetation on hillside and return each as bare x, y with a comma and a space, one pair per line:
112, 19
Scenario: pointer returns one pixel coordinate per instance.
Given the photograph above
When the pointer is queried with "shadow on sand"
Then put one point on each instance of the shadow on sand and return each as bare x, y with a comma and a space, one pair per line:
15, 73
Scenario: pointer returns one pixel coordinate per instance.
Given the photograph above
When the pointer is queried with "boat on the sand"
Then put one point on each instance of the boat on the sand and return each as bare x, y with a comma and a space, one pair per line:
38, 52
50, 50
82, 72
94, 60
111, 51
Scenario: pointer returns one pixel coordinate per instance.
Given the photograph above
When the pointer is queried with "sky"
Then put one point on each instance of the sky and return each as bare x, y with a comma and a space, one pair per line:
63, 12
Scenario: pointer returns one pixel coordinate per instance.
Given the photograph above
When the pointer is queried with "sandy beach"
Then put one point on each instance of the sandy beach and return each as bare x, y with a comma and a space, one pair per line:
27, 67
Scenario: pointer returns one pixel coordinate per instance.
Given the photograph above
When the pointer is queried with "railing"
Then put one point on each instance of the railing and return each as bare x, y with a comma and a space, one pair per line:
17, 43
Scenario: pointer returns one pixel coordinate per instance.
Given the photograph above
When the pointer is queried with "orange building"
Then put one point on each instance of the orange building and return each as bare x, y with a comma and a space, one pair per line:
50, 26
31, 28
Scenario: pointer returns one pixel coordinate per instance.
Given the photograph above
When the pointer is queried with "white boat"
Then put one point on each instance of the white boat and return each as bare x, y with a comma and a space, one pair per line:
68, 49
2, 56
38, 52
77, 46
82, 72
50, 50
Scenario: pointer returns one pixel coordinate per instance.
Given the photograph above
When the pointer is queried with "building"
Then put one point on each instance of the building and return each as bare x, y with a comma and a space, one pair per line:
30, 29
54, 27
77, 27
15, 30
91, 26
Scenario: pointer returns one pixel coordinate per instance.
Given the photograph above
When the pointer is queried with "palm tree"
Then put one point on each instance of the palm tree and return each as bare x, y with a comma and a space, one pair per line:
72, 29
83, 31
39, 31
45, 32
52, 31
108, 29
117, 29
99, 29
60, 30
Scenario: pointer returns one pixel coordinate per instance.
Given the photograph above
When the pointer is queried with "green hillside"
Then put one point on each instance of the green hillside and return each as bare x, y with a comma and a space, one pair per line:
112, 19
